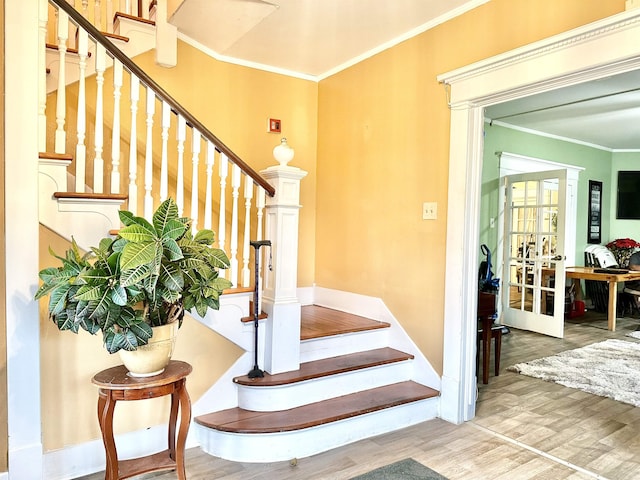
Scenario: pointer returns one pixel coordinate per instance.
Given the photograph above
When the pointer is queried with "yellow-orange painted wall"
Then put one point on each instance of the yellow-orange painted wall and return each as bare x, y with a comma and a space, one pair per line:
235, 103
383, 147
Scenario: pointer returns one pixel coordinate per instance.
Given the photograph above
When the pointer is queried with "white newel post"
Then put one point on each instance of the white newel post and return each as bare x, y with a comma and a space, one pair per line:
280, 301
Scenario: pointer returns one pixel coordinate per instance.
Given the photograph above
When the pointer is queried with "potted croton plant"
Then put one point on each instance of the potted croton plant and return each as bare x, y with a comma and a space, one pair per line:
143, 278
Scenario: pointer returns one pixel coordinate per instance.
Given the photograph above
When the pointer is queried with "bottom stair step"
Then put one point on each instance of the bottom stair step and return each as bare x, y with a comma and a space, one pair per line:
244, 421
248, 436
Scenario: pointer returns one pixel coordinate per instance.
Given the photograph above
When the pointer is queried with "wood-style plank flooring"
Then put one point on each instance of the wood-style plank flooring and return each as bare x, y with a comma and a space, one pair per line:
524, 429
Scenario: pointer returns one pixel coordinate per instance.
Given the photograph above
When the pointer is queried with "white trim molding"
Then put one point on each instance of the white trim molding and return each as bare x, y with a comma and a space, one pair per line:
603, 48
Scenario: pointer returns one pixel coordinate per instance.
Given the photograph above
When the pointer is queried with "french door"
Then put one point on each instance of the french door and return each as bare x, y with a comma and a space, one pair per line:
534, 254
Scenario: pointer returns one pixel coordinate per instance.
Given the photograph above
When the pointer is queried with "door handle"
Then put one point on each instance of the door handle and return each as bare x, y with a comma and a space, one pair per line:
559, 258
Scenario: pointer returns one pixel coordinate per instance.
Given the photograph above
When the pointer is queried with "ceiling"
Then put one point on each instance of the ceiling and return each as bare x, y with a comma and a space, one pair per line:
604, 113
316, 38
309, 37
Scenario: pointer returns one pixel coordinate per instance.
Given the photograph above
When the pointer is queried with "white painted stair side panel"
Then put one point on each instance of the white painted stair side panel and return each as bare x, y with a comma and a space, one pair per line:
282, 446
284, 397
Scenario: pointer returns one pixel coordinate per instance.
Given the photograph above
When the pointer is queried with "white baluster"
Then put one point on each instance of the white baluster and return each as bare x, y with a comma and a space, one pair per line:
144, 5
223, 170
182, 134
164, 162
73, 41
248, 195
97, 15
127, 7
115, 131
133, 150
61, 107
109, 14
43, 19
85, 8
81, 127
260, 202
208, 201
233, 247
148, 157
98, 162
195, 162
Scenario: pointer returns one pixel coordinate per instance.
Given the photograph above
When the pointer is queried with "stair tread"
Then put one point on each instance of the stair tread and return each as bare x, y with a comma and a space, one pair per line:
318, 322
238, 420
329, 366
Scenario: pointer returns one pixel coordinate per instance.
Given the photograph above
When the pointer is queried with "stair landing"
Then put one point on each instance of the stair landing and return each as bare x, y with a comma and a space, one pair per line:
318, 322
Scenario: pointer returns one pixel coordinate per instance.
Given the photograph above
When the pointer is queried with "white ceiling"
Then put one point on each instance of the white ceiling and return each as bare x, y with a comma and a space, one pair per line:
604, 113
308, 37
315, 38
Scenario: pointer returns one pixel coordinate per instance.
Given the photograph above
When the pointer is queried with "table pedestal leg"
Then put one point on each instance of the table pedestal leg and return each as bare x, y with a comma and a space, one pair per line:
185, 420
613, 301
106, 406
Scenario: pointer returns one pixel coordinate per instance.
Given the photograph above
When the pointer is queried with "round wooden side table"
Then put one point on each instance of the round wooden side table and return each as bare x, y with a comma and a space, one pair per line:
115, 384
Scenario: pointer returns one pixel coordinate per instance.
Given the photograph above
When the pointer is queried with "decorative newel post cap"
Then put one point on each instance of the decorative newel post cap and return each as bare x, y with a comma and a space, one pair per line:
283, 153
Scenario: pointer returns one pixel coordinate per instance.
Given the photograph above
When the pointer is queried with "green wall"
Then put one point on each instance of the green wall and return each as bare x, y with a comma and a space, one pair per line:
596, 162
622, 228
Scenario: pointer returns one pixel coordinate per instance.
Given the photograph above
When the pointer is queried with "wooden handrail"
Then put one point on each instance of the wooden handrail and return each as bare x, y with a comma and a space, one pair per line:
147, 81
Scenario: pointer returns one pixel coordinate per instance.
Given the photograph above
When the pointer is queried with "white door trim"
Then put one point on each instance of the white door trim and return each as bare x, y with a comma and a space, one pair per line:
606, 47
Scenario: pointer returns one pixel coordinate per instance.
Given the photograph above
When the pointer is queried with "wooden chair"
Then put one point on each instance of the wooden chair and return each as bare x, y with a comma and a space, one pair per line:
486, 331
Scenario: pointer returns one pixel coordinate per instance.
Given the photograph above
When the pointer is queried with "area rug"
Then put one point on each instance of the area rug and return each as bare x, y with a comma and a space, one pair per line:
407, 469
635, 334
609, 369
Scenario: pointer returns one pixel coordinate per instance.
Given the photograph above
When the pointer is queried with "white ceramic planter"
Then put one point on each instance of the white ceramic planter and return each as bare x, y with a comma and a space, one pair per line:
151, 359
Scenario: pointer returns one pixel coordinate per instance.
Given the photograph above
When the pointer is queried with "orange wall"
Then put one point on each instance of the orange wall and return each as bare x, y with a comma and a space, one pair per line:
235, 102
383, 148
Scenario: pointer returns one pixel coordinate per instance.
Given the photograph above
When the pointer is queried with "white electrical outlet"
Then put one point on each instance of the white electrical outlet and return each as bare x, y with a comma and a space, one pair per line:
430, 210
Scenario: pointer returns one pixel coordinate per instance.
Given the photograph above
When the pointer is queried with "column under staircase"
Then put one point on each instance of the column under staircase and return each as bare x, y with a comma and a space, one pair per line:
324, 389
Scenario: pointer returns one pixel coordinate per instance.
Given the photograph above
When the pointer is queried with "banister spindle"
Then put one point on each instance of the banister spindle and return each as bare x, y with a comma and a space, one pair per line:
81, 125
61, 100
233, 247
98, 162
195, 162
223, 170
164, 161
133, 140
115, 130
182, 135
109, 15
248, 196
97, 15
148, 156
208, 200
144, 7
260, 203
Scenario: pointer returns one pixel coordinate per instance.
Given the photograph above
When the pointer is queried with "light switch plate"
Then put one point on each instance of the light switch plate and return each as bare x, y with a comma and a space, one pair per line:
430, 210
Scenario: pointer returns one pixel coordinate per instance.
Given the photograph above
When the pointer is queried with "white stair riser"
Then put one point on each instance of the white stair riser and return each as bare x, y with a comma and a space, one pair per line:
333, 346
284, 397
275, 447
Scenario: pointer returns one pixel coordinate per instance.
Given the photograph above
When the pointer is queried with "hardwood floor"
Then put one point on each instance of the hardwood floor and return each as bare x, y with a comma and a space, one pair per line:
524, 429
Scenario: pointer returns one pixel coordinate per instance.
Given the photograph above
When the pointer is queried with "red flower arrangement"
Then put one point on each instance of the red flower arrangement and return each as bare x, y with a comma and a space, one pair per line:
622, 249
623, 243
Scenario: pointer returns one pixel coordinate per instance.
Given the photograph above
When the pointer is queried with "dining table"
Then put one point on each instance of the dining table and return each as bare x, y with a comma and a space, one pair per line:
612, 276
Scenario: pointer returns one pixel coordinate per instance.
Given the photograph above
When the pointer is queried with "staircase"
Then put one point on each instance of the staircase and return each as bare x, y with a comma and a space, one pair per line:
340, 394
358, 376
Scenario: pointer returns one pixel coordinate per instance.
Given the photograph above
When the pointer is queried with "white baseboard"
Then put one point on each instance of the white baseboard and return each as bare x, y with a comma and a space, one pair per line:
87, 458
